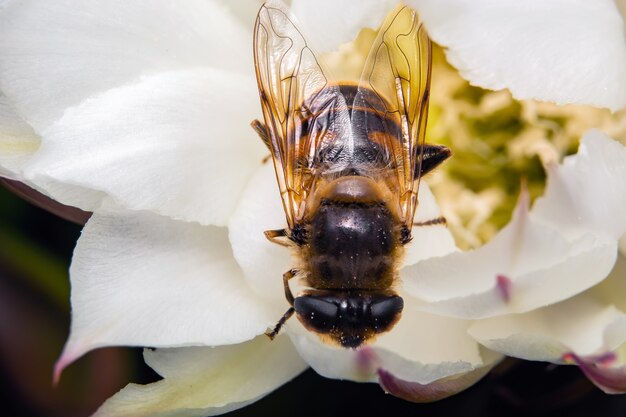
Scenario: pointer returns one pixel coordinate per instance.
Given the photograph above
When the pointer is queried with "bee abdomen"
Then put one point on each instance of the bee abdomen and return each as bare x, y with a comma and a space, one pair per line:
352, 245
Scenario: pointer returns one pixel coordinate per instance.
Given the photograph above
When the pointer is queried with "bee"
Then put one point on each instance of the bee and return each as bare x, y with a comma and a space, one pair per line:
348, 158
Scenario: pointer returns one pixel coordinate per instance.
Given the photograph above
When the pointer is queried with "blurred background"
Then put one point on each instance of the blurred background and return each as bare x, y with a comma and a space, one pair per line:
35, 253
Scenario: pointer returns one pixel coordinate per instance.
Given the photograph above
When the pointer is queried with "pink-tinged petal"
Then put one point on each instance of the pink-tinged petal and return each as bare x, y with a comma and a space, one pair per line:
589, 324
503, 287
423, 358
568, 277
18, 143
203, 381
327, 24
425, 393
328, 361
140, 279
432, 240
55, 55
565, 51
611, 380
40, 200
587, 192
604, 359
262, 261
541, 265
178, 144
581, 324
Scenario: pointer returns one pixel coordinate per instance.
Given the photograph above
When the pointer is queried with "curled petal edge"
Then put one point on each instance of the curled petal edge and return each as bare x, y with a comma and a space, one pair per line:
611, 380
69, 213
435, 391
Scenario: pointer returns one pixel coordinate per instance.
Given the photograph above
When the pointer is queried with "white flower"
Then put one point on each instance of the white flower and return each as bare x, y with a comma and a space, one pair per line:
140, 113
565, 51
558, 50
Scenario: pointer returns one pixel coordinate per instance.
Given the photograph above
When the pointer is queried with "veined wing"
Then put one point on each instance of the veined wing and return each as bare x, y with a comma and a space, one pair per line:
303, 111
396, 81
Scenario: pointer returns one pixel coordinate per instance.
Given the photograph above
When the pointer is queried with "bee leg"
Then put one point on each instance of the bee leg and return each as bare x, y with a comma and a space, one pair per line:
280, 323
289, 296
432, 157
286, 277
261, 130
432, 222
274, 236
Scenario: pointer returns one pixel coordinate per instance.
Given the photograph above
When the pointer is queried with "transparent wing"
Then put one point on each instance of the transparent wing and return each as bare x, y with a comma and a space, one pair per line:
396, 80
303, 112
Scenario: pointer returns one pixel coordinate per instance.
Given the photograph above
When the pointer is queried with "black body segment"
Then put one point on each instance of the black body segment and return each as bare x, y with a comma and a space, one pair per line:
352, 246
349, 317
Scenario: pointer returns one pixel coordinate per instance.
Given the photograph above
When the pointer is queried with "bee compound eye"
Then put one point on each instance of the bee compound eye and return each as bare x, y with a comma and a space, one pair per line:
385, 311
317, 313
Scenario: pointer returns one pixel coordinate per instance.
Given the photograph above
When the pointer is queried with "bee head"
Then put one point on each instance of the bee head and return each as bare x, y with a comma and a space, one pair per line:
349, 318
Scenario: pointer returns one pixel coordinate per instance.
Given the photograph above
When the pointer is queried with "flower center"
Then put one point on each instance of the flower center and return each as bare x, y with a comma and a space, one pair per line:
498, 142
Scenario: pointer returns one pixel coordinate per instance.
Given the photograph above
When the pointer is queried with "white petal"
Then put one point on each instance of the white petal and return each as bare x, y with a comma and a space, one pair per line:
588, 191
621, 6
439, 344
178, 144
538, 263
18, 141
546, 334
611, 291
556, 50
245, 11
202, 381
420, 348
260, 209
428, 241
53, 55
326, 24
144, 280
589, 324
69, 194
